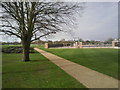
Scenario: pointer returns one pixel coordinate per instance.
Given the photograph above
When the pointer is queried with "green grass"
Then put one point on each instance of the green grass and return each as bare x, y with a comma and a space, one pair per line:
101, 60
5, 46
38, 73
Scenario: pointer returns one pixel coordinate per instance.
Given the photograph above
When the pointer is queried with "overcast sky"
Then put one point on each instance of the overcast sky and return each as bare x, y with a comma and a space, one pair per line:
98, 22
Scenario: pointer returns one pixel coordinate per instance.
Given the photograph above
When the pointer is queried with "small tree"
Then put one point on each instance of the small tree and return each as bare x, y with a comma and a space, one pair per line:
109, 40
30, 21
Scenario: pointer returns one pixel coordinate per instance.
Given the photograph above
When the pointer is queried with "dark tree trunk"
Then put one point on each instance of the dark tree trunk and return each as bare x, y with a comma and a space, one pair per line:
26, 48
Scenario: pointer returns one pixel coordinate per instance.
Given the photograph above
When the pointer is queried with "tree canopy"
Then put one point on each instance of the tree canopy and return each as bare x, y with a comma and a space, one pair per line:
35, 19
30, 21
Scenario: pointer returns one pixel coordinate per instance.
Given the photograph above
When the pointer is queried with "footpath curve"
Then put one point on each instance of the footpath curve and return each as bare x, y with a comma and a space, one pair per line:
86, 76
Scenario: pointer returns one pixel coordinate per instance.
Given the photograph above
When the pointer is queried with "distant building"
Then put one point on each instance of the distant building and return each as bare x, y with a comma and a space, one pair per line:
116, 43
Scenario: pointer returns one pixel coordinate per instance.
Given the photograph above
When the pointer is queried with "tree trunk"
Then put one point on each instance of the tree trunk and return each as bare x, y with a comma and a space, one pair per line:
26, 47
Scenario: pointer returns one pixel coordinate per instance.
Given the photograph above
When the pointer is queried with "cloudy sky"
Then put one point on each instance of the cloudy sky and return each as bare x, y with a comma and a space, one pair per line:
98, 22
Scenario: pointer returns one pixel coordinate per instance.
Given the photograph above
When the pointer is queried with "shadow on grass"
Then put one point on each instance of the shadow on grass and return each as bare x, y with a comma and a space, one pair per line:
39, 60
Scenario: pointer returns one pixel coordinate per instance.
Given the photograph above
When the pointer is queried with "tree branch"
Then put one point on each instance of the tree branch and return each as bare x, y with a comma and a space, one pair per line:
43, 35
10, 33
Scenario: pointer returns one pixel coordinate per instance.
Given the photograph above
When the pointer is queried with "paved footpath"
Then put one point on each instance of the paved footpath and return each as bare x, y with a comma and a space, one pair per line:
86, 76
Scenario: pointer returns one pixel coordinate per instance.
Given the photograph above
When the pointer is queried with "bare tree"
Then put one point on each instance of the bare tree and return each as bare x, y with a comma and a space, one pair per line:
30, 21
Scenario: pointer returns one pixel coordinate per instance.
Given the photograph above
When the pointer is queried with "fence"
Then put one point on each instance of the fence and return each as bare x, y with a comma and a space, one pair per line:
56, 45
83, 45
97, 45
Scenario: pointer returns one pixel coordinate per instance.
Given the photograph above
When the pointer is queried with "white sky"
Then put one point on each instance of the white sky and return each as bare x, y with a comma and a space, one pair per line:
98, 22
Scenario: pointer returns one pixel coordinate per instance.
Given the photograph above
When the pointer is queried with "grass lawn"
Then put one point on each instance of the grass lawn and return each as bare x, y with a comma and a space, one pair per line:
38, 73
101, 60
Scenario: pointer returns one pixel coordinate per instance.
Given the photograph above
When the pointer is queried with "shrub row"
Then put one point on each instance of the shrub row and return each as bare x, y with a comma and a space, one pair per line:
15, 49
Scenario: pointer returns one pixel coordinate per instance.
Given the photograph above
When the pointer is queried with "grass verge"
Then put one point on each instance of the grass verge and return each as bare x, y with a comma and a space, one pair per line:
38, 73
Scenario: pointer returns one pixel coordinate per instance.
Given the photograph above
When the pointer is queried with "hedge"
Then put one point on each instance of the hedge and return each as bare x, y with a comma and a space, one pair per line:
15, 49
